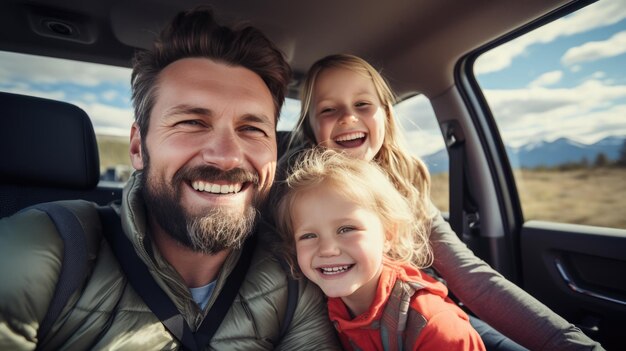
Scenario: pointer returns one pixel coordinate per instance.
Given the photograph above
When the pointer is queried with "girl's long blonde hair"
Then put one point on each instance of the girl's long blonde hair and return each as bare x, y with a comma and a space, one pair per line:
407, 173
359, 181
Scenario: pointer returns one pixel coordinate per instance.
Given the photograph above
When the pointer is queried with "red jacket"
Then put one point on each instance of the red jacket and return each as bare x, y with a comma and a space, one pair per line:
430, 320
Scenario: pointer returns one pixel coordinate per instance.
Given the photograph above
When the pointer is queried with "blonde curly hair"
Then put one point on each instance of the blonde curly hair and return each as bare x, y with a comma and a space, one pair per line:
363, 183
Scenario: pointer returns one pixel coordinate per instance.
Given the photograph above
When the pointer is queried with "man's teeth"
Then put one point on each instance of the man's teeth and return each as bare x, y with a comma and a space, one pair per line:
351, 136
335, 270
216, 188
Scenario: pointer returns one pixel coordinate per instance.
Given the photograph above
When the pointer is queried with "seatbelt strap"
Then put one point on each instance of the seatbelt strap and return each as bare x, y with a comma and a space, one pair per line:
157, 300
292, 299
455, 141
73, 264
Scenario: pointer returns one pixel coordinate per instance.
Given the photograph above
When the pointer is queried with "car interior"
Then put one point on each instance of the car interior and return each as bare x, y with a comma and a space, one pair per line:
49, 151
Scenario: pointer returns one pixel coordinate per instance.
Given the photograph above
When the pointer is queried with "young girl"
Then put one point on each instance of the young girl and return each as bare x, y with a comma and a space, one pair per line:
347, 106
357, 238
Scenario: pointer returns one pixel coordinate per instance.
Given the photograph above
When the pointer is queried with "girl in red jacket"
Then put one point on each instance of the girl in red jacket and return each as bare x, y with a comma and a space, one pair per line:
356, 237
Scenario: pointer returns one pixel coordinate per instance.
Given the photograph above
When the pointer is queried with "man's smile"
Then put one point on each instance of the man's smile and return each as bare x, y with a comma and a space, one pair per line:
232, 188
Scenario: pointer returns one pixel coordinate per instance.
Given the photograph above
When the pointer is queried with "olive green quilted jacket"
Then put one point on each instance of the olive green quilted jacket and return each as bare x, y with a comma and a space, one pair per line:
106, 313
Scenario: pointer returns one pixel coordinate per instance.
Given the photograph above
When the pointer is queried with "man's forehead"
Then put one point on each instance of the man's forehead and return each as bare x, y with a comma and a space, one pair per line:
205, 83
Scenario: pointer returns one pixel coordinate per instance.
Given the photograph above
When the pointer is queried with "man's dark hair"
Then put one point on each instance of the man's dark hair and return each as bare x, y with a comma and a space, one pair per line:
195, 33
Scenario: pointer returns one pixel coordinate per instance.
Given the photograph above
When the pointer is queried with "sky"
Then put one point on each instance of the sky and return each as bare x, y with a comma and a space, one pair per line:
566, 79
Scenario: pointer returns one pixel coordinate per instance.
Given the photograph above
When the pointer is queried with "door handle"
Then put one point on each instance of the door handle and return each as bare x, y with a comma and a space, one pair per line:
576, 288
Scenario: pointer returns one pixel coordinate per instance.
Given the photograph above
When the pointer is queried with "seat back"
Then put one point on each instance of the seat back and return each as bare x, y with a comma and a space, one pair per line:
282, 141
48, 152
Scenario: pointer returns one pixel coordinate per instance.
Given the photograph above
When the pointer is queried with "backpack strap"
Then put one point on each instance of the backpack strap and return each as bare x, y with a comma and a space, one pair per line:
158, 301
73, 264
400, 325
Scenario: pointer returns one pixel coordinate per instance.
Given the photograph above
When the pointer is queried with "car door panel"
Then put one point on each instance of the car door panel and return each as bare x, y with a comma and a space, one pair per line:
579, 272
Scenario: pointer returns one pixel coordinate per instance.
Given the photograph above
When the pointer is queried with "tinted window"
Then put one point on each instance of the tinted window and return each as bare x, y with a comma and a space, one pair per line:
558, 95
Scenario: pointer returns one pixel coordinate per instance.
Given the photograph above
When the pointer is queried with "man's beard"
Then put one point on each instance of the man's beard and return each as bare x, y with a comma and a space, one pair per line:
211, 231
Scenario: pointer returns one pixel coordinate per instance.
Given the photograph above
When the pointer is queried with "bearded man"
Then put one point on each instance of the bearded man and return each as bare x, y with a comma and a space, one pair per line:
207, 100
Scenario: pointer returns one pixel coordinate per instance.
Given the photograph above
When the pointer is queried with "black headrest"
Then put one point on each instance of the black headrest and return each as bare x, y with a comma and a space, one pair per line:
282, 141
46, 143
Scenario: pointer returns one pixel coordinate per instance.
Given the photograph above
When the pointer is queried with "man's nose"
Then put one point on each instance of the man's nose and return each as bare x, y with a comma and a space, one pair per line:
223, 150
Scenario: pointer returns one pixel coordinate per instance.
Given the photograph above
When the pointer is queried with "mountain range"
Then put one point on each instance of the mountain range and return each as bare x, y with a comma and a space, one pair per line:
544, 153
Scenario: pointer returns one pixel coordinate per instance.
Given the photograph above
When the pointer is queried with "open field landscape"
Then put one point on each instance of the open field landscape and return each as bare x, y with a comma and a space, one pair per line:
590, 196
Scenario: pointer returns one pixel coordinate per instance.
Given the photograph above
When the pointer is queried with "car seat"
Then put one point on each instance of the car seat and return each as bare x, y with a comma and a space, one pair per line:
48, 152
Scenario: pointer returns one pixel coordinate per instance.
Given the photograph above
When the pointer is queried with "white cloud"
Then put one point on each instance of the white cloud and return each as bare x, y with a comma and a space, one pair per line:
289, 114
588, 111
110, 95
548, 78
596, 50
416, 113
424, 142
38, 69
107, 119
89, 97
421, 129
598, 75
596, 15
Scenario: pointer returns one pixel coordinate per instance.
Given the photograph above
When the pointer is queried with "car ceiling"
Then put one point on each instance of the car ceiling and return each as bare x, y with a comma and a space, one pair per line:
415, 43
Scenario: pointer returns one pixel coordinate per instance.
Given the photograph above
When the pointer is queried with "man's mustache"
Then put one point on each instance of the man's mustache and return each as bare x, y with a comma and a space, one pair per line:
211, 174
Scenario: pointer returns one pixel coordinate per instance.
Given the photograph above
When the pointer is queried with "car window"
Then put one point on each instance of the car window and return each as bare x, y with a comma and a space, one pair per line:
558, 96
102, 91
424, 140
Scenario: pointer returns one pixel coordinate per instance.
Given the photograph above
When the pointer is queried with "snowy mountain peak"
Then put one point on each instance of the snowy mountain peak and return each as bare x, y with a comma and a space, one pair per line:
543, 153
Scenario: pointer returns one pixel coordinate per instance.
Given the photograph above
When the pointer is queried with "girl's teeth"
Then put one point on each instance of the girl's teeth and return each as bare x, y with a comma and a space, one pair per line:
335, 270
351, 136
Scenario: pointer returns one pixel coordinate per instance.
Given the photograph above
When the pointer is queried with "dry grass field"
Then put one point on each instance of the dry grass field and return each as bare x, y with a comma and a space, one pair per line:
592, 196
113, 151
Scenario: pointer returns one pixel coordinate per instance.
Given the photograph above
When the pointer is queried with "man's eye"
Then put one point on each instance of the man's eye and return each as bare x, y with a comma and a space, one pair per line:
253, 129
189, 122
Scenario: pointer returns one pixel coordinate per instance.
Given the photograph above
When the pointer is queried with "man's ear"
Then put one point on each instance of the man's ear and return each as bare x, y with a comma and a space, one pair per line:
136, 154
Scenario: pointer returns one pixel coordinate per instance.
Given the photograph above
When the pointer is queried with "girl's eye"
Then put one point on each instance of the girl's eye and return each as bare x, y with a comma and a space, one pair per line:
307, 236
361, 104
327, 110
345, 229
